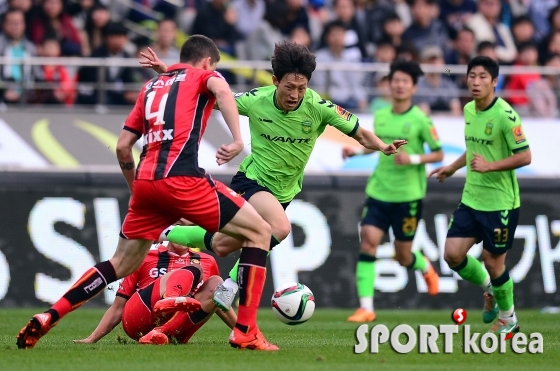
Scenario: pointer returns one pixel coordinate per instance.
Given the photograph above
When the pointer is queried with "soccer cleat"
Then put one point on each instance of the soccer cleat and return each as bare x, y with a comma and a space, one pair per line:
362, 315
490, 308
155, 337
223, 297
36, 328
432, 279
180, 303
506, 327
253, 341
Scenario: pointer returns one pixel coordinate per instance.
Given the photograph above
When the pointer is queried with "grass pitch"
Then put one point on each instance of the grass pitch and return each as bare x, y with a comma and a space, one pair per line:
326, 342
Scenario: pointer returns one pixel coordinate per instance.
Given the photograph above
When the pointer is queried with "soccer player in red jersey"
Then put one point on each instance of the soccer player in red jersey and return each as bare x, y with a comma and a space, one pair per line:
162, 275
171, 115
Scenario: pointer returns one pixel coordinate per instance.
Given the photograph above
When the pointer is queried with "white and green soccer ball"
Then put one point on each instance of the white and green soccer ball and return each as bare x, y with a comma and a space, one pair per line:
293, 303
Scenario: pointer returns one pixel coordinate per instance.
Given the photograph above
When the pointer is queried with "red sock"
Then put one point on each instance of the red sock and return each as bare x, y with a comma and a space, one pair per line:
182, 281
183, 325
251, 278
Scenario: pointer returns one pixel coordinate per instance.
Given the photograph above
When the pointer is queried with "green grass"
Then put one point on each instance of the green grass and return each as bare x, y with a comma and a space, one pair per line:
324, 343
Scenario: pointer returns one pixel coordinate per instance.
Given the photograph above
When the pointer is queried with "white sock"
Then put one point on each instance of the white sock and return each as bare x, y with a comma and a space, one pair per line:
487, 285
231, 284
367, 303
508, 315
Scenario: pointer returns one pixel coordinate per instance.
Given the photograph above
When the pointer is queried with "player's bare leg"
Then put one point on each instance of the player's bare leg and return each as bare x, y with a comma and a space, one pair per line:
470, 269
127, 258
417, 261
370, 237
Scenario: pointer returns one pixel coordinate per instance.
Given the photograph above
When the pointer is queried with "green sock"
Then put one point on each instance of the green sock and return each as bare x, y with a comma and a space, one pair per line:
192, 236
471, 270
418, 262
233, 271
365, 275
503, 293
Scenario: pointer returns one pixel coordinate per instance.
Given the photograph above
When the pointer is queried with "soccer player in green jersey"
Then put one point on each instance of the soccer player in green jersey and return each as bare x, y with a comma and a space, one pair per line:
397, 186
489, 208
285, 120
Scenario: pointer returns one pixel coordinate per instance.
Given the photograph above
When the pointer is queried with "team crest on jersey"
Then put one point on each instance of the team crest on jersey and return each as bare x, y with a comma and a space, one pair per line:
343, 113
195, 261
406, 128
518, 135
306, 127
488, 130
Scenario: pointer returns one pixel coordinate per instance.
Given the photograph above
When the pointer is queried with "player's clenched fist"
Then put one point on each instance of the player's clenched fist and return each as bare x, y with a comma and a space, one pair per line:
393, 148
350, 151
227, 152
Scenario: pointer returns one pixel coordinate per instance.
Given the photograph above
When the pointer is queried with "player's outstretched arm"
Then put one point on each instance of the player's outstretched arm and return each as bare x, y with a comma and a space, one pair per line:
515, 161
124, 155
403, 158
111, 318
229, 317
221, 90
152, 61
444, 172
372, 142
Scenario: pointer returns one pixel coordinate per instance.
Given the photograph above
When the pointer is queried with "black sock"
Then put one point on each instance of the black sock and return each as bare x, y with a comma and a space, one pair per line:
208, 237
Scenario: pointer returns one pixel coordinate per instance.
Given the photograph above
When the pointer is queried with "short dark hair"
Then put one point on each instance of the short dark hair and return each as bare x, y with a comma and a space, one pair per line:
552, 13
411, 68
550, 57
332, 25
198, 47
521, 19
115, 29
412, 2
485, 45
465, 29
527, 45
391, 17
290, 57
490, 65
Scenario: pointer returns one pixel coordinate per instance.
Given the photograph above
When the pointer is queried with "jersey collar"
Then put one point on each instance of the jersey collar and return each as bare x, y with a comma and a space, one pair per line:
179, 66
280, 109
490, 105
405, 112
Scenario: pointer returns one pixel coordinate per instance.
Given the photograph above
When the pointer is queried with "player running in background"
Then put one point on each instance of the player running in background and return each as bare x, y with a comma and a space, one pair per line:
171, 115
489, 208
397, 187
165, 273
285, 120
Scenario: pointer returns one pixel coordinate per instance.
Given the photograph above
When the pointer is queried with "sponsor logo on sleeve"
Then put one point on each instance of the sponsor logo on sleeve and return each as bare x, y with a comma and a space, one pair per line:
518, 134
343, 113
434, 134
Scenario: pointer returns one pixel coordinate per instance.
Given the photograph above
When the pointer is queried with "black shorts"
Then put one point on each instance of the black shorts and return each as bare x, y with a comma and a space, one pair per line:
495, 229
246, 187
402, 217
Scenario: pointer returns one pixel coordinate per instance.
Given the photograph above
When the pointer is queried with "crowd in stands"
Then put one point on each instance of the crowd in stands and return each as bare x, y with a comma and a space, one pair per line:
433, 32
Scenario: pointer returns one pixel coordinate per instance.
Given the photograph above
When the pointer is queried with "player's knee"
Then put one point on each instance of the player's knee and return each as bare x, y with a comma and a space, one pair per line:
367, 247
452, 258
282, 230
263, 230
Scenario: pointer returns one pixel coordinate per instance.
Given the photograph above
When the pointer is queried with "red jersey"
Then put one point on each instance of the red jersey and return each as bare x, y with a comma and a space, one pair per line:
161, 261
171, 114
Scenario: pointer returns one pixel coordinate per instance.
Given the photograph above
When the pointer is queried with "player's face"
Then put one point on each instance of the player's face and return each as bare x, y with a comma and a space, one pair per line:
290, 90
480, 83
402, 86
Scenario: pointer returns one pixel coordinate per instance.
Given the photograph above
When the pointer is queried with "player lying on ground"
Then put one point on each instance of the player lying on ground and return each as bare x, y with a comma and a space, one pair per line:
285, 121
151, 320
397, 187
171, 114
489, 208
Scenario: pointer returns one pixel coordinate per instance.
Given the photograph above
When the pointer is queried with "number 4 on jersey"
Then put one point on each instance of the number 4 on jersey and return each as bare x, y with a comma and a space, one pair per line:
161, 109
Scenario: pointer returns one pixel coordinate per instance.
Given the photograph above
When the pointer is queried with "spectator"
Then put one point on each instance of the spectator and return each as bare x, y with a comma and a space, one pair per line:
553, 61
260, 44
345, 88
383, 98
393, 30
488, 49
554, 21
253, 13
13, 44
539, 11
522, 30
164, 45
116, 39
553, 45
216, 20
297, 17
407, 52
345, 12
385, 53
426, 29
537, 97
30, 12
187, 15
163, 8
96, 21
436, 92
141, 75
382, 10
463, 48
486, 27
63, 90
53, 20
79, 11
300, 36
455, 14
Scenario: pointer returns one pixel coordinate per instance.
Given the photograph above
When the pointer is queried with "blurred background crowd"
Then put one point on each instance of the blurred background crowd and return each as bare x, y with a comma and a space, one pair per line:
520, 33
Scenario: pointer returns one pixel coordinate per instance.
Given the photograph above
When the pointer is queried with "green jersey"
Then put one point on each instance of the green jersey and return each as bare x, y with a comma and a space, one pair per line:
281, 143
402, 183
495, 133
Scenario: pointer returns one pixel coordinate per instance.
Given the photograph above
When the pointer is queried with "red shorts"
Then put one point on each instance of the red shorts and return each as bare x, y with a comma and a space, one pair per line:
157, 204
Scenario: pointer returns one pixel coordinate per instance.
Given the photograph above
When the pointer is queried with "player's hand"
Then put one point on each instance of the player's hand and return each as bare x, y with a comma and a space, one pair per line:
348, 152
227, 152
442, 173
152, 61
393, 148
402, 158
479, 164
84, 341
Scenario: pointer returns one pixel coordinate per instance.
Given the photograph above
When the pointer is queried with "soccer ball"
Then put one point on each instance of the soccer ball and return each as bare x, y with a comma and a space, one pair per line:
293, 303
